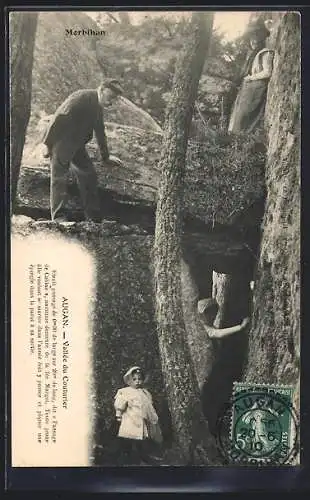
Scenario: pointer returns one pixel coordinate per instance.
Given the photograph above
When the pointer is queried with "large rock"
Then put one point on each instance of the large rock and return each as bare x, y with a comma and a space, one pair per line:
223, 180
274, 345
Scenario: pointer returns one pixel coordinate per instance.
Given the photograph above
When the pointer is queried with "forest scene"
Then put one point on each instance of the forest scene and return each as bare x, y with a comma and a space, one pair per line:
197, 235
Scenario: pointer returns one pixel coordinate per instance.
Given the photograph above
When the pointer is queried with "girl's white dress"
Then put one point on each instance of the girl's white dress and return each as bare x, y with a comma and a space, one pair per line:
139, 417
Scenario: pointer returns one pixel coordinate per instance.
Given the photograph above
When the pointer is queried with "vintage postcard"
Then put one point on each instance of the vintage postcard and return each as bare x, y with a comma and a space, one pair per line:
155, 229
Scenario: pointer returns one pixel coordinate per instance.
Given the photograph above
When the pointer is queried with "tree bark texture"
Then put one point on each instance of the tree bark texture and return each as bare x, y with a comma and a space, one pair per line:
220, 285
233, 295
274, 351
190, 429
22, 31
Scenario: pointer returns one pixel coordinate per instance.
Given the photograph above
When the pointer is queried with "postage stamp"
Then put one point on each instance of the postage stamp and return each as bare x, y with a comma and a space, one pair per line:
259, 426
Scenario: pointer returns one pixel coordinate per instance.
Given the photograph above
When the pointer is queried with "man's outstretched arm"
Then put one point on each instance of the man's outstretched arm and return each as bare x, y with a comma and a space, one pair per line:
103, 144
219, 333
101, 137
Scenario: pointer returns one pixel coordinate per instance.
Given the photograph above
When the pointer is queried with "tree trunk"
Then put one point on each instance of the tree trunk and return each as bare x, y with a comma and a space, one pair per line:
191, 432
22, 30
274, 337
220, 286
233, 295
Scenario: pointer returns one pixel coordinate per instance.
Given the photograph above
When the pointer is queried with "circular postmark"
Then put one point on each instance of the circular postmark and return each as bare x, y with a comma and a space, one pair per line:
258, 427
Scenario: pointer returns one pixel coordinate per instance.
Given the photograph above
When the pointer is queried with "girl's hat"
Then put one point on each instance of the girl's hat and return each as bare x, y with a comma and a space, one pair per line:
131, 370
204, 304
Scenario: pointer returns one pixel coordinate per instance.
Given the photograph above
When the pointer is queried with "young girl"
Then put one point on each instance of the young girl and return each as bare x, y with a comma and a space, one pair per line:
139, 428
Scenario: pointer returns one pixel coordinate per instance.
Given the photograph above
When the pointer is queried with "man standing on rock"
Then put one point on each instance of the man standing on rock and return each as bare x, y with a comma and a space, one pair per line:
69, 130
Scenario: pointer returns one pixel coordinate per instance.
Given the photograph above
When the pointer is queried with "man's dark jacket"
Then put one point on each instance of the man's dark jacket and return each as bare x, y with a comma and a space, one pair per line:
75, 121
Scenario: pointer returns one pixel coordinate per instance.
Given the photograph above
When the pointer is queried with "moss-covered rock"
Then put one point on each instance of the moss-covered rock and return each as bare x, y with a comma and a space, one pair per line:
224, 176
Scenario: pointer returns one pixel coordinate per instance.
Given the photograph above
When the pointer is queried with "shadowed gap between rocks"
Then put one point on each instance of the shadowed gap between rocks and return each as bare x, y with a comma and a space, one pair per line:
218, 362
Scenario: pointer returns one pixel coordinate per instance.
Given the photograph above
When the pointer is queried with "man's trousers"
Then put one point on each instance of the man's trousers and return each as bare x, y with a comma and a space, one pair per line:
83, 169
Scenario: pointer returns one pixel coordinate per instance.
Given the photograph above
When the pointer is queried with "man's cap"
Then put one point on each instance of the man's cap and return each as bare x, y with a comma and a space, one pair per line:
114, 85
129, 372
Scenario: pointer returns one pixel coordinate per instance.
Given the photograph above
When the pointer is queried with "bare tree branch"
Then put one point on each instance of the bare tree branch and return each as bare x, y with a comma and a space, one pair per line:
112, 17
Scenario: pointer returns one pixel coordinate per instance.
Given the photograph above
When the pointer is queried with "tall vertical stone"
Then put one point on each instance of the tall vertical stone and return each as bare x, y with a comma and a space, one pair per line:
274, 341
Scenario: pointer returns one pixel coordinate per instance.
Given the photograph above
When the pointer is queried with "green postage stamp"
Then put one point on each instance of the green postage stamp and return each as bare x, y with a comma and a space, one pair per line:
261, 426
